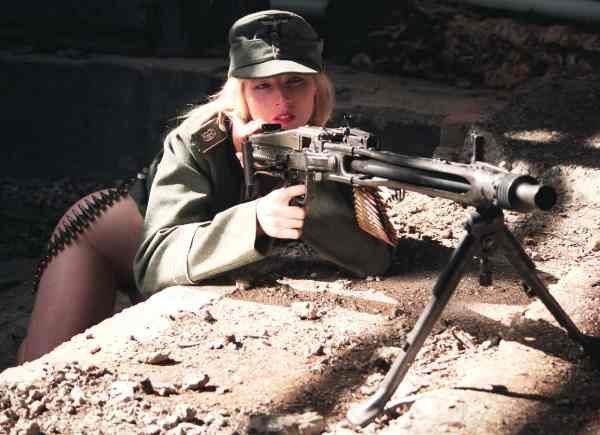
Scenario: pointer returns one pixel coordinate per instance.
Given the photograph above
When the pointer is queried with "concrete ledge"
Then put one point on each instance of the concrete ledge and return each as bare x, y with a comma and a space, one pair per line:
528, 386
106, 341
263, 364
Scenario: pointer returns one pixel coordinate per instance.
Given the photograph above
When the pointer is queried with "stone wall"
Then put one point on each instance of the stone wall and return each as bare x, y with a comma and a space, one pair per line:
127, 27
100, 116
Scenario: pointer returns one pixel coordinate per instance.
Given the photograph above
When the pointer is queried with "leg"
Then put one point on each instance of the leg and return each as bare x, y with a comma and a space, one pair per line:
524, 265
78, 287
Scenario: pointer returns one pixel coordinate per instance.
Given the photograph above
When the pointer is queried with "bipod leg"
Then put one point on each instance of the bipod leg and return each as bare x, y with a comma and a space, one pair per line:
517, 256
364, 413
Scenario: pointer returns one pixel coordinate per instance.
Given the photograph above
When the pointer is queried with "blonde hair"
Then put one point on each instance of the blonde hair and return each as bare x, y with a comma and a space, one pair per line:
230, 101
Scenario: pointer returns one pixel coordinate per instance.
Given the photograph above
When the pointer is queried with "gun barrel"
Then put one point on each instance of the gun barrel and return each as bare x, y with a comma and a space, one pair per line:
509, 191
524, 193
536, 195
418, 177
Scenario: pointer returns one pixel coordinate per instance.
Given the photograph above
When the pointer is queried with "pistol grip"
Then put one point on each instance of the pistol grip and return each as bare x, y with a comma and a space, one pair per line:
300, 200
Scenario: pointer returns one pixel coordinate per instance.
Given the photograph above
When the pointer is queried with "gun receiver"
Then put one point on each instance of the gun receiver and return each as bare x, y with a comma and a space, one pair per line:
352, 156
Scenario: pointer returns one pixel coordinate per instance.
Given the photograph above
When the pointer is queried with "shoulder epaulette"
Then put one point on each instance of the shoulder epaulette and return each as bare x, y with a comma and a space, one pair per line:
208, 136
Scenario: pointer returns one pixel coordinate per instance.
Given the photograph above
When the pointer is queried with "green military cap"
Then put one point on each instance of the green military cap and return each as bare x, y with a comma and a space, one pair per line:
272, 42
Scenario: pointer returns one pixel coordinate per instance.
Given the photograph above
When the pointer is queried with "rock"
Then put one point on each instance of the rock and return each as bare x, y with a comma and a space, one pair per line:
36, 408
447, 234
150, 386
5, 420
371, 383
152, 429
185, 413
305, 310
91, 368
383, 357
186, 428
218, 418
122, 391
72, 375
77, 396
164, 388
156, 358
223, 390
308, 423
225, 341
345, 431
208, 317
168, 422
34, 395
149, 420
217, 344
195, 382
26, 427
316, 350
243, 284
491, 342
24, 387
594, 243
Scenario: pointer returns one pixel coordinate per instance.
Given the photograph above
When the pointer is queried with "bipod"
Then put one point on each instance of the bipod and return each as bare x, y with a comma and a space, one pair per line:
485, 231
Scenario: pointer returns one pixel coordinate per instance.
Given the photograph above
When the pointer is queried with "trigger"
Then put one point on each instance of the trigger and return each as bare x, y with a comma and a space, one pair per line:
298, 201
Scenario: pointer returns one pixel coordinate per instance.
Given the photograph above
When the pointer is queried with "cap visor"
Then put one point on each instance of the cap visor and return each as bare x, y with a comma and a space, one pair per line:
271, 68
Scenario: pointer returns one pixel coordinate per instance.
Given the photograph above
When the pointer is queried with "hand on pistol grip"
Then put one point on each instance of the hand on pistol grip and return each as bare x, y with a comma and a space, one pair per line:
278, 217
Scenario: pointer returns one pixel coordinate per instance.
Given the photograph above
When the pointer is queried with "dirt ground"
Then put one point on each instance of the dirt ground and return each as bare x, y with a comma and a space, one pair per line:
306, 341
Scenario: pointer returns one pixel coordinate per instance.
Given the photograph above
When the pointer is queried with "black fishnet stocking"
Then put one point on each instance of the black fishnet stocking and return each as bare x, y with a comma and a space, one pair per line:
77, 288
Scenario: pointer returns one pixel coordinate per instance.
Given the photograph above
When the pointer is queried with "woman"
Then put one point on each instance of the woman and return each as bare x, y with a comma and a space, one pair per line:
195, 223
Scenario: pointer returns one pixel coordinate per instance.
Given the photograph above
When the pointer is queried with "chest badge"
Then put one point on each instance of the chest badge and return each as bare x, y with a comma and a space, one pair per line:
208, 136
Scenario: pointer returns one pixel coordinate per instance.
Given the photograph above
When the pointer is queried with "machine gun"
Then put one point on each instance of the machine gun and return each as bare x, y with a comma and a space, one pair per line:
352, 156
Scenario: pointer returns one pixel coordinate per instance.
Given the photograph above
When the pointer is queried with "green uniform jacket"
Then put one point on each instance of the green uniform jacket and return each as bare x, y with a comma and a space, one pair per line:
196, 225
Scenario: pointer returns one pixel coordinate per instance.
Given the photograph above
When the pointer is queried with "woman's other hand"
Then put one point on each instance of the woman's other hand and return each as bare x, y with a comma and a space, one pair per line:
276, 217
240, 130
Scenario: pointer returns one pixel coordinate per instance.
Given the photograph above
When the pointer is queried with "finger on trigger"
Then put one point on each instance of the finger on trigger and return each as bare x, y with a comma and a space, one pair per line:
293, 212
296, 190
295, 224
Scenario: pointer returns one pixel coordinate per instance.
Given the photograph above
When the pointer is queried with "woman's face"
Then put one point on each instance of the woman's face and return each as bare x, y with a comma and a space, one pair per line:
286, 99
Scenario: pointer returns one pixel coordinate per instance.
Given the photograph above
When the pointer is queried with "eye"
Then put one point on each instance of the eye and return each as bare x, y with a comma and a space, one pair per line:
293, 81
261, 86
